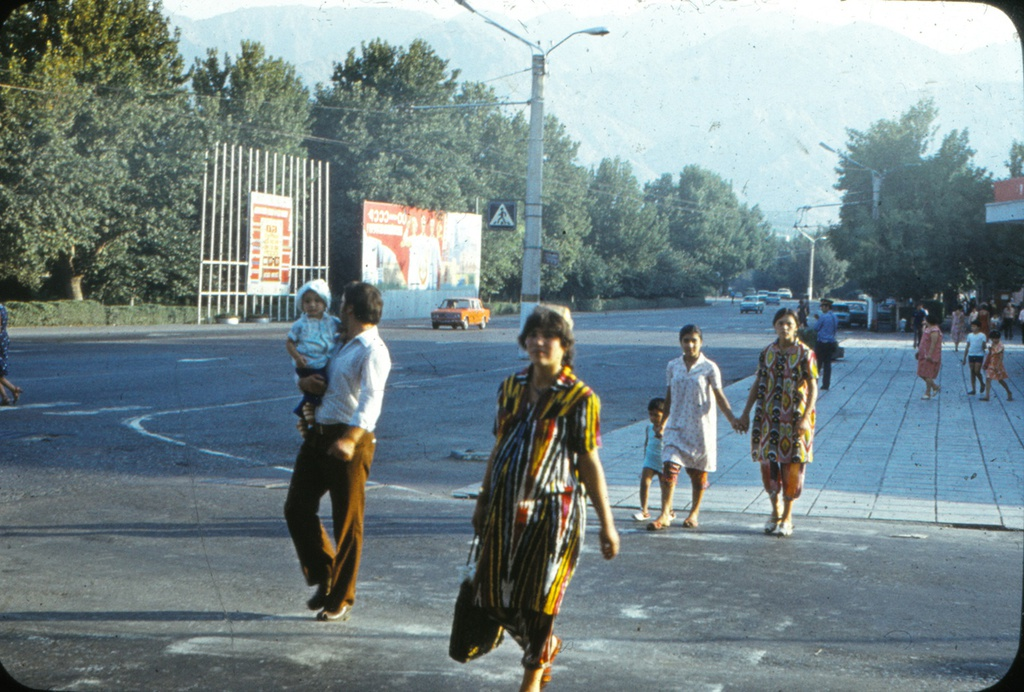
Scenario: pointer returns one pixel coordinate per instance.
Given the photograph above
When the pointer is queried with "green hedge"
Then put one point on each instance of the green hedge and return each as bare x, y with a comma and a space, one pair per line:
90, 313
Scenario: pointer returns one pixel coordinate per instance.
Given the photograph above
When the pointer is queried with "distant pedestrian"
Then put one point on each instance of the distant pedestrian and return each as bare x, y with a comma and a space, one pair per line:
5, 384
652, 455
783, 396
974, 354
531, 511
985, 318
1009, 317
690, 426
929, 355
825, 344
1020, 320
311, 340
958, 327
801, 313
919, 315
994, 367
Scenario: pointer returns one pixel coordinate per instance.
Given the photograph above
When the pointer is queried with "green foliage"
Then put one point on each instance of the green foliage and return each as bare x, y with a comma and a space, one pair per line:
931, 207
98, 173
253, 100
707, 222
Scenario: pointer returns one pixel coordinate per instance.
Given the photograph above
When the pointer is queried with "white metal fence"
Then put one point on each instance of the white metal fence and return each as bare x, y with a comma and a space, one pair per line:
232, 173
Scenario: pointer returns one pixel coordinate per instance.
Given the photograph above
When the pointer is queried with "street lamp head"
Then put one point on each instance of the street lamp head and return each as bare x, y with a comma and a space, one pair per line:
596, 31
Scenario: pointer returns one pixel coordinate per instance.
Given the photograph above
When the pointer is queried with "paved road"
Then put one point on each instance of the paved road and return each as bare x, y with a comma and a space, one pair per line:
142, 545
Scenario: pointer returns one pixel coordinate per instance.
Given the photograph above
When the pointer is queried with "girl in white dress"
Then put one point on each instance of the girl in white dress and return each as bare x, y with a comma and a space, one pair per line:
689, 427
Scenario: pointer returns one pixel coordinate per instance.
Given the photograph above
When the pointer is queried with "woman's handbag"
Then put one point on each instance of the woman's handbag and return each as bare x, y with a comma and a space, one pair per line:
473, 632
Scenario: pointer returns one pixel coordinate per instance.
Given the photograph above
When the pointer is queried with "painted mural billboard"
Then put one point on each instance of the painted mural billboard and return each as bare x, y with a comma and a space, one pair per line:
270, 244
405, 248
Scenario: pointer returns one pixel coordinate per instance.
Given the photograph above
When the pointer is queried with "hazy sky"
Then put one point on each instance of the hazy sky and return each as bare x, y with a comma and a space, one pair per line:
955, 26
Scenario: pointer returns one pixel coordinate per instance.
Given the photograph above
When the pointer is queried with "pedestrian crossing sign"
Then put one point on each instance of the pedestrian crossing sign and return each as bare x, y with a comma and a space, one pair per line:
501, 215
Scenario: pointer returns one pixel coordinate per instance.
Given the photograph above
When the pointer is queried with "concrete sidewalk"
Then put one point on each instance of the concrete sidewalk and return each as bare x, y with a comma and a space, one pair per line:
880, 452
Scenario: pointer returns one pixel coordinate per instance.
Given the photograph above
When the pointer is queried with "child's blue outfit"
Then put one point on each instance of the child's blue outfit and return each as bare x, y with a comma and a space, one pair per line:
314, 339
652, 449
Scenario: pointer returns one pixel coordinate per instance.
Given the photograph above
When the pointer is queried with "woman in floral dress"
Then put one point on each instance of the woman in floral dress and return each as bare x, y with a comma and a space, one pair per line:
785, 392
531, 511
929, 356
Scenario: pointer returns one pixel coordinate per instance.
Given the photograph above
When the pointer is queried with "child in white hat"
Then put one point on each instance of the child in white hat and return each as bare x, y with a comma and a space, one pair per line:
311, 339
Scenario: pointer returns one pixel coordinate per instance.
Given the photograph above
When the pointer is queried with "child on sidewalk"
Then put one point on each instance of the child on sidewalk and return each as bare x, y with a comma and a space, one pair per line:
974, 353
690, 426
311, 340
994, 368
652, 454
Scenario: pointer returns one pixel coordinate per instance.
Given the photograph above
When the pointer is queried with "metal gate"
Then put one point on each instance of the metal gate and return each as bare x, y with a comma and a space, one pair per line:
232, 173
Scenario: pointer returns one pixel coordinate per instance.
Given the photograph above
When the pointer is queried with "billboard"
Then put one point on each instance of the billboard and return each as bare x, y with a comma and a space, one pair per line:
420, 249
270, 244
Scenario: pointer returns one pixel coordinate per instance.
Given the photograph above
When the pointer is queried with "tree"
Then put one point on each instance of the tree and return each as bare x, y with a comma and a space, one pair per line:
626, 233
931, 207
253, 100
707, 222
94, 151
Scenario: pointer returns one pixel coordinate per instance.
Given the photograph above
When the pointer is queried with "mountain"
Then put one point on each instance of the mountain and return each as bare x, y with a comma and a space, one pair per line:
669, 87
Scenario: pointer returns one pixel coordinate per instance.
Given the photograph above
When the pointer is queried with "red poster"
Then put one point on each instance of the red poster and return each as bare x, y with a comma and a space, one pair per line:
270, 244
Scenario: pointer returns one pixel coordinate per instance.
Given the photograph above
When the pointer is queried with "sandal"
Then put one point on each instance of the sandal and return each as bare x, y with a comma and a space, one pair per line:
545, 677
785, 529
641, 516
690, 524
658, 525
770, 526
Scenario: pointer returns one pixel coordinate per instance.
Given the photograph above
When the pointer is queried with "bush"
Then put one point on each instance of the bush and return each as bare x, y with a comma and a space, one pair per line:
91, 313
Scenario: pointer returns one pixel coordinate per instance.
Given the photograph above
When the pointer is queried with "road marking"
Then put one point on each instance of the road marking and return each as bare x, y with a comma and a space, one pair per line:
199, 360
137, 424
94, 412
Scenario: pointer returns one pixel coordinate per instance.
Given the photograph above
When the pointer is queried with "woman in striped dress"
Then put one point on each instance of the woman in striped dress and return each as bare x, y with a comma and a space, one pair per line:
531, 511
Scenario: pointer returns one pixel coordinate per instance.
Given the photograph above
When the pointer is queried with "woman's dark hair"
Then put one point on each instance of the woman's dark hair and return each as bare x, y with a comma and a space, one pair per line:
785, 312
551, 324
656, 404
365, 300
932, 318
691, 329
994, 334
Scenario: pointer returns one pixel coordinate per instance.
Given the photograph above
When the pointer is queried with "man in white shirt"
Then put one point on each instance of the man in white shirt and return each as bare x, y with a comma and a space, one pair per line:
337, 453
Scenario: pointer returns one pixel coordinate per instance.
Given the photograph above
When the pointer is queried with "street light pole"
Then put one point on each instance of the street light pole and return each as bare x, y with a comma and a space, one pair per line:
810, 272
877, 178
529, 295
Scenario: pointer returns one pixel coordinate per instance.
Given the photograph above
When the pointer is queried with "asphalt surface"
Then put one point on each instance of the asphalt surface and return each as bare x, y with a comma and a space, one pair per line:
142, 545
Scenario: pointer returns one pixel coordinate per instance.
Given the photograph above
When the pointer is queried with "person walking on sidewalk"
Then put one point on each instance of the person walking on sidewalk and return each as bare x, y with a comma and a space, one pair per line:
652, 455
336, 455
825, 343
531, 510
974, 353
958, 326
994, 367
784, 395
1009, 317
5, 344
929, 355
690, 427
919, 316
